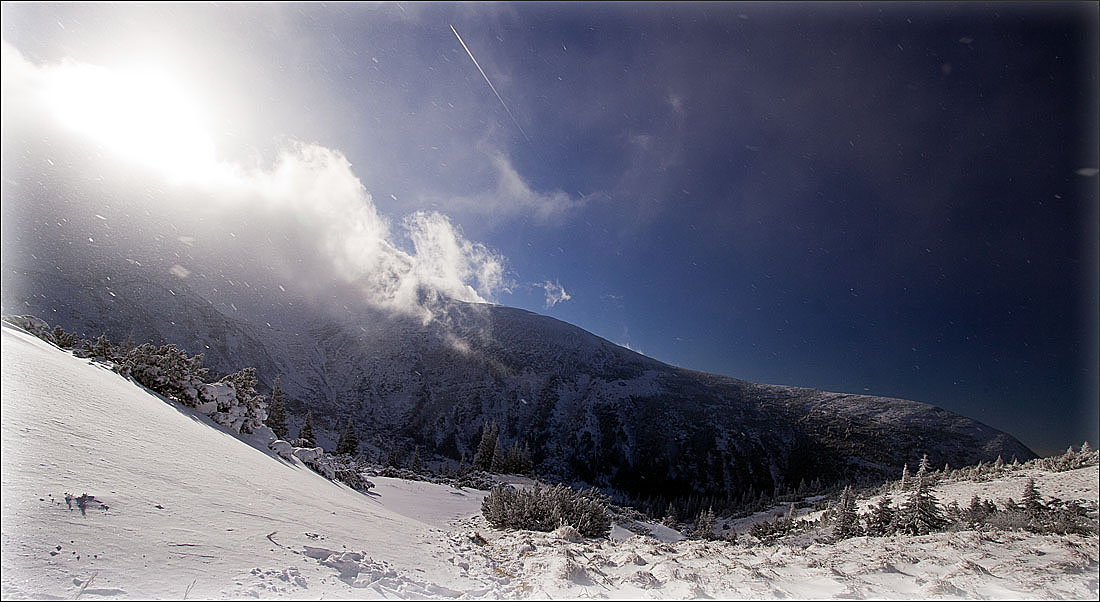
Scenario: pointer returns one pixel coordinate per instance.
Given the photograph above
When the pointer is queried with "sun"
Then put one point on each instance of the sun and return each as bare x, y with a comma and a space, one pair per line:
140, 113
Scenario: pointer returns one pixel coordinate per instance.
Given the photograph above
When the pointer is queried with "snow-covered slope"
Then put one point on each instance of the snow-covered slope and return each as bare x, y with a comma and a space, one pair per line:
176, 507
180, 505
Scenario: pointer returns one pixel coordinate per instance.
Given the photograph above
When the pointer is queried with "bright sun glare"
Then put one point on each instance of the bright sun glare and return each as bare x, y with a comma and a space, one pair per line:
141, 114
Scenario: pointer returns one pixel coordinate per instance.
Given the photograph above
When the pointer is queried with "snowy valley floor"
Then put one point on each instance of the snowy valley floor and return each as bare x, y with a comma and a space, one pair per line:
183, 509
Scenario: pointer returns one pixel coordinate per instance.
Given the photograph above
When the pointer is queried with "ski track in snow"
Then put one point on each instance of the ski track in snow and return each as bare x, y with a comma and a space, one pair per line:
177, 507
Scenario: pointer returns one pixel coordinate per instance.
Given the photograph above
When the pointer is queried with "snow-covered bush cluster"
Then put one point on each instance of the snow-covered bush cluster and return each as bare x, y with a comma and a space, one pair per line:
917, 510
1072, 459
34, 325
167, 370
545, 509
244, 411
921, 513
341, 468
1030, 514
231, 402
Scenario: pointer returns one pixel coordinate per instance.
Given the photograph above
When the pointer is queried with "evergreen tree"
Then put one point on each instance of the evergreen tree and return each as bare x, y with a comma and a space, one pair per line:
276, 412
486, 448
704, 525
513, 460
527, 465
976, 511
671, 516
349, 440
904, 478
497, 464
922, 514
394, 457
882, 517
847, 519
1033, 502
306, 432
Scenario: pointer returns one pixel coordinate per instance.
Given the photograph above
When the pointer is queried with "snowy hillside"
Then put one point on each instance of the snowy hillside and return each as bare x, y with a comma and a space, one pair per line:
180, 503
165, 504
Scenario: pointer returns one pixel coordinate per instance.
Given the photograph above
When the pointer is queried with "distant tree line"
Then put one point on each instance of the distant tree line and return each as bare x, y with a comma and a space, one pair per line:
921, 513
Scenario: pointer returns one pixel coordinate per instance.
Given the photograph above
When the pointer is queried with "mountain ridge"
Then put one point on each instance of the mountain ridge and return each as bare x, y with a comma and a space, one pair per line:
592, 411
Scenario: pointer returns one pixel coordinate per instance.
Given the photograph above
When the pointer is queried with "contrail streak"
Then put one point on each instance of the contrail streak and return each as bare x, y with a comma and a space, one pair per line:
491, 86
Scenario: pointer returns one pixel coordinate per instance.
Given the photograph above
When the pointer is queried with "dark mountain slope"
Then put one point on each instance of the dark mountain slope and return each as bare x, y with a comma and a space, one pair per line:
590, 410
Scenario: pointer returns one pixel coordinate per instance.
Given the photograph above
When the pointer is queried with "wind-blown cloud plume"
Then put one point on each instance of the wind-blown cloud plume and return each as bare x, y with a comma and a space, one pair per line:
555, 293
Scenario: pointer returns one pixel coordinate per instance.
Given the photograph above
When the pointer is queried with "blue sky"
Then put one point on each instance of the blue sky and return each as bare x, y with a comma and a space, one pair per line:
895, 199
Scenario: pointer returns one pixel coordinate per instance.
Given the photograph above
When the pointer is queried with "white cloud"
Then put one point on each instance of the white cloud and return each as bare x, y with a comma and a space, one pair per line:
555, 293
306, 219
514, 194
634, 349
511, 196
449, 263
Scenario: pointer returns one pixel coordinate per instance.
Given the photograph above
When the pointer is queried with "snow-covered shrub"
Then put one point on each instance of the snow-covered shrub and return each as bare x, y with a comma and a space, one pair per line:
100, 348
222, 402
284, 449
253, 406
776, 528
334, 468
167, 370
349, 471
545, 509
33, 325
65, 340
475, 479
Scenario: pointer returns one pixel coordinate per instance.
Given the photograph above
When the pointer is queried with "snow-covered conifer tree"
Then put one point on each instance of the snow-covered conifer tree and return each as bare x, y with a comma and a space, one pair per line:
486, 448
1033, 502
276, 412
704, 524
349, 440
882, 517
922, 513
306, 432
847, 519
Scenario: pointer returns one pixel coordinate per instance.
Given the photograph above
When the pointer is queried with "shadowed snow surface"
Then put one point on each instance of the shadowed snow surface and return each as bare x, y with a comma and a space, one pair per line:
166, 504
